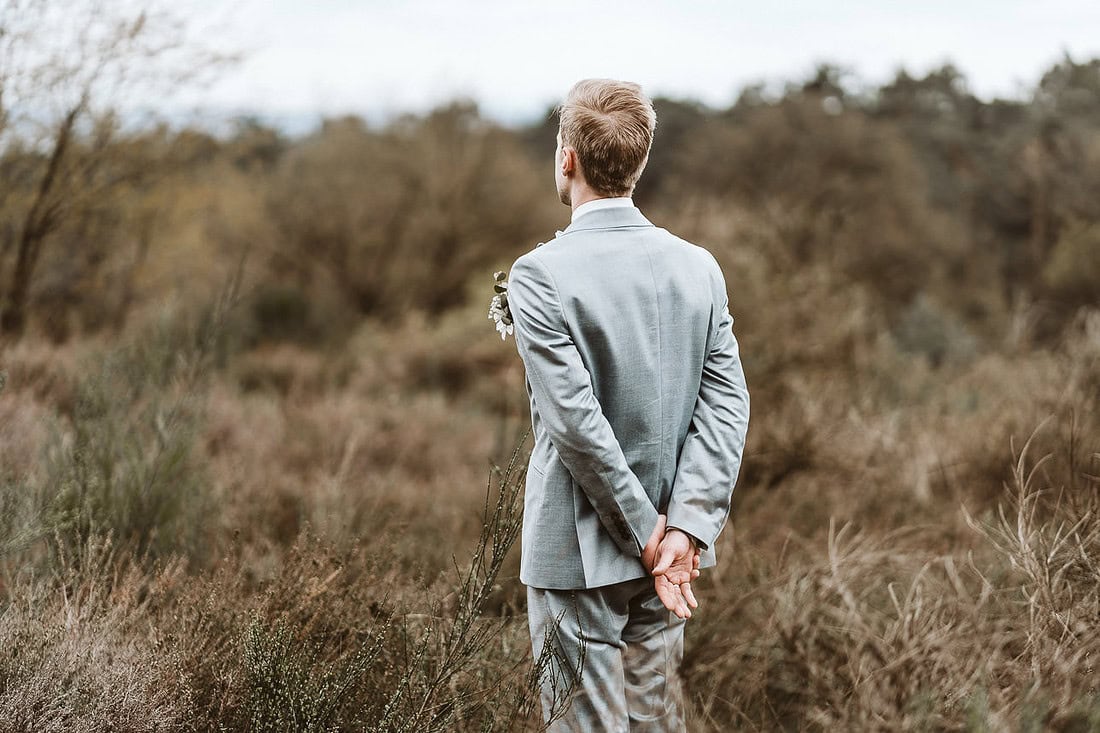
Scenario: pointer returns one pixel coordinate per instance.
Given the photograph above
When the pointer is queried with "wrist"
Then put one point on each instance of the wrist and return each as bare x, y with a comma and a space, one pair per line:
691, 539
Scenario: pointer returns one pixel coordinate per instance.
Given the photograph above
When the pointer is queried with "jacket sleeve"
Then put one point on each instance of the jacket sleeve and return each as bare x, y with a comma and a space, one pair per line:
562, 390
710, 458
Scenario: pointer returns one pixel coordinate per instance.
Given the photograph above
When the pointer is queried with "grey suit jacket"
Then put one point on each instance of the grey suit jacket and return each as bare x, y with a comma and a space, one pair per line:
638, 398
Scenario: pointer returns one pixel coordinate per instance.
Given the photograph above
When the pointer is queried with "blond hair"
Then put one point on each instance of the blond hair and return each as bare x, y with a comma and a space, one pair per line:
610, 124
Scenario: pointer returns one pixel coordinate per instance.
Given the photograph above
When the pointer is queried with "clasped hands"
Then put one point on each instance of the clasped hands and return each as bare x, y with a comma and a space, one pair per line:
672, 558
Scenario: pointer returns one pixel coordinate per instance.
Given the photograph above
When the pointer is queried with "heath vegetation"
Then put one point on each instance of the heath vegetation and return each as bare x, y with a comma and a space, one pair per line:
258, 463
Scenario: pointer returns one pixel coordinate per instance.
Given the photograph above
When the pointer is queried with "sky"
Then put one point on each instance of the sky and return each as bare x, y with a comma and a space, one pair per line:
376, 58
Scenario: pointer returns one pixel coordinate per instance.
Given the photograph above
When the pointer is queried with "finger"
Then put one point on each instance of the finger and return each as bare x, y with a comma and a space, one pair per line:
685, 601
671, 598
678, 570
689, 595
678, 574
666, 594
664, 561
667, 602
677, 605
682, 611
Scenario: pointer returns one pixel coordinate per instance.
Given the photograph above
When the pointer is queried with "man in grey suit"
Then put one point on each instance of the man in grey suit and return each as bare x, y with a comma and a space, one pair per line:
640, 412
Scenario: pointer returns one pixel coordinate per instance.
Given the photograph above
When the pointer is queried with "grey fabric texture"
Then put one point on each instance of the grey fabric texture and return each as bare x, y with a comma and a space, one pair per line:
618, 653
639, 403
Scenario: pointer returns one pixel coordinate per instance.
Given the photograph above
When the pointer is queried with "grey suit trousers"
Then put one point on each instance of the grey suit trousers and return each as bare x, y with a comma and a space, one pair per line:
627, 649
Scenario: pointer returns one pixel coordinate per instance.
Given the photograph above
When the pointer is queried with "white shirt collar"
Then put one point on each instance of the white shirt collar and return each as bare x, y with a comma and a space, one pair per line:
596, 204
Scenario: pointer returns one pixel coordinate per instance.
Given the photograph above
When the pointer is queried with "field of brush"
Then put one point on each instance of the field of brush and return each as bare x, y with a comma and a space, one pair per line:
267, 477
283, 538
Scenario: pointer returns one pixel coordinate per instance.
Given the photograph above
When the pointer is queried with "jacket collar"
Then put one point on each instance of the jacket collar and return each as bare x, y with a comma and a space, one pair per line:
611, 218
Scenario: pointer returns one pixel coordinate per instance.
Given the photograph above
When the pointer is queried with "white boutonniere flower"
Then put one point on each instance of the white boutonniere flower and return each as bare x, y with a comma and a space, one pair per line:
498, 306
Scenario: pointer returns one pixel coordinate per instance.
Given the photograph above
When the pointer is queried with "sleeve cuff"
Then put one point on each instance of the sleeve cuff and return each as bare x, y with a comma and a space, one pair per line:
648, 521
697, 527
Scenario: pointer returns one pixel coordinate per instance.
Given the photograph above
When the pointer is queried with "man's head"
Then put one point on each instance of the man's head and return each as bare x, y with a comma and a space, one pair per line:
604, 135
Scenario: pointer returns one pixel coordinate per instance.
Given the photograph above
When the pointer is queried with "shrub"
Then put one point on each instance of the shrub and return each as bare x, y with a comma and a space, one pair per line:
1072, 271
929, 330
127, 466
291, 689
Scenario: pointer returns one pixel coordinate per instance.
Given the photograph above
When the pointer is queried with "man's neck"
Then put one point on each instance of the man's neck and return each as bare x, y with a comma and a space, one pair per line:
594, 204
583, 197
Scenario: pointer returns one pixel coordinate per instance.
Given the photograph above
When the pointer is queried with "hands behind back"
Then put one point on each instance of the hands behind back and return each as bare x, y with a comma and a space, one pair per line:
673, 560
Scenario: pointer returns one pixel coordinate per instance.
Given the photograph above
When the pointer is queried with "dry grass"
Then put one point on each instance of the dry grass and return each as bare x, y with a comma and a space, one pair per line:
911, 548
269, 513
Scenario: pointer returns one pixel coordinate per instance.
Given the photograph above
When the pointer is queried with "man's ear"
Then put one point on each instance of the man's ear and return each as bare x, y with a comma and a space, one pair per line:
568, 160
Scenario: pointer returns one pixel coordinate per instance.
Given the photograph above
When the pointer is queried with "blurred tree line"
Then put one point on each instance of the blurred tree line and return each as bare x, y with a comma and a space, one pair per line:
913, 189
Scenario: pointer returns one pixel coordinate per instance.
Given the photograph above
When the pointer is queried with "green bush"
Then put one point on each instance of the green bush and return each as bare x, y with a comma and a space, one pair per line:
1072, 272
126, 463
122, 461
283, 313
291, 688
